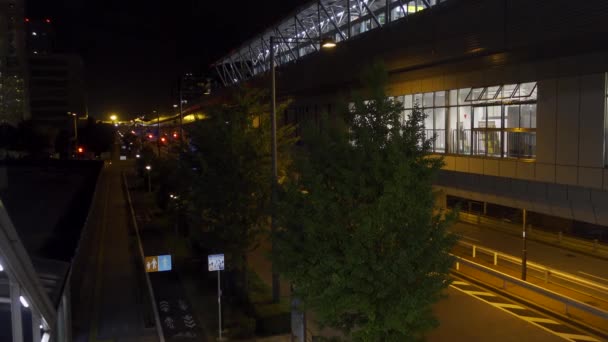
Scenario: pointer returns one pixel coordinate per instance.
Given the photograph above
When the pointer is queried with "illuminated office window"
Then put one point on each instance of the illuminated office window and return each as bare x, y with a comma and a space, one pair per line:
495, 121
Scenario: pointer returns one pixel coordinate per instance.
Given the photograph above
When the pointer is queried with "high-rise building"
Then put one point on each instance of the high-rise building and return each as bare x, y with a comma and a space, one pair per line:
14, 106
56, 81
56, 88
40, 36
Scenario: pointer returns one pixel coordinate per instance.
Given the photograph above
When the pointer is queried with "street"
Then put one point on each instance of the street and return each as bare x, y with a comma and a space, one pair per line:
578, 264
114, 303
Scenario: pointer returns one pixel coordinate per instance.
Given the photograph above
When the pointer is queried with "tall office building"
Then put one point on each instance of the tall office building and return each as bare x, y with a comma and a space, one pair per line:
56, 81
14, 106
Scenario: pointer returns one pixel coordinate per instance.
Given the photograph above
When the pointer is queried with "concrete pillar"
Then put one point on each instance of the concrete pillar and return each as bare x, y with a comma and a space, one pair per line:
16, 323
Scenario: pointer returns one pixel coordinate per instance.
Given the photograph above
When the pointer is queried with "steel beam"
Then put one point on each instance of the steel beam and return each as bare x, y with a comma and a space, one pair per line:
349, 21
286, 43
333, 22
372, 13
306, 33
16, 324
243, 60
217, 69
229, 77
36, 323
400, 2
319, 18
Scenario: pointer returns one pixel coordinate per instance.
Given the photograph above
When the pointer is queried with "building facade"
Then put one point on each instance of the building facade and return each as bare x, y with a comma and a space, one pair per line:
57, 88
14, 106
515, 94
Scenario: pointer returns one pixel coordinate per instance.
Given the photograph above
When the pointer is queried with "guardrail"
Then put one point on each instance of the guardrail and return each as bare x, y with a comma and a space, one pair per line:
583, 313
546, 274
586, 246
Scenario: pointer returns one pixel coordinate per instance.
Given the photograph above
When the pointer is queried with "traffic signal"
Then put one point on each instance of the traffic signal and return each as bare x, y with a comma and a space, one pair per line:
163, 139
80, 149
174, 135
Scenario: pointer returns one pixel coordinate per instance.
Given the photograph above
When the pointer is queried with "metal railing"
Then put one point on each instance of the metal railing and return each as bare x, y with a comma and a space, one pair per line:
586, 246
591, 317
543, 273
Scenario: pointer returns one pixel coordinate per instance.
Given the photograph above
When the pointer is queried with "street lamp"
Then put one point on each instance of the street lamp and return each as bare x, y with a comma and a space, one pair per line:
148, 168
75, 118
325, 43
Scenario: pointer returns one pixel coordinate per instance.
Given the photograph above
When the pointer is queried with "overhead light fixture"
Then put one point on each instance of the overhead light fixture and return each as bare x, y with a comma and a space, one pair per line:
328, 43
24, 302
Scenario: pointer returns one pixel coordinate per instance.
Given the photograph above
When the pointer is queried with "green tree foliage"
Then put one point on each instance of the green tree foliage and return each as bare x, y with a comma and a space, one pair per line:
360, 239
228, 168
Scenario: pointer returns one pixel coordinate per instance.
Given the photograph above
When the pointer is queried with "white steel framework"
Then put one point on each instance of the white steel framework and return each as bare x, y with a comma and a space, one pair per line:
337, 19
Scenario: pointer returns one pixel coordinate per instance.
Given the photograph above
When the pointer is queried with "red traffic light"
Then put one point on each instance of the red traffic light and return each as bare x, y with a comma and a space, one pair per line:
27, 20
47, 20
80, 150
150, 136
175, 135
163, 139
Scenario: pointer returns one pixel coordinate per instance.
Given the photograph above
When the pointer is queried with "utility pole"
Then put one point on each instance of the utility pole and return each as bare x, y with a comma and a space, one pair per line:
276, 283
181, 111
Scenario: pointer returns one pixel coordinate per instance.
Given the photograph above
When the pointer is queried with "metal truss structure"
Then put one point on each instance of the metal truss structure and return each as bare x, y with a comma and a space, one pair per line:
298, 35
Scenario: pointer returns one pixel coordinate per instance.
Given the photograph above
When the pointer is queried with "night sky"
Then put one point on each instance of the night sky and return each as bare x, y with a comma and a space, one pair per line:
134, 50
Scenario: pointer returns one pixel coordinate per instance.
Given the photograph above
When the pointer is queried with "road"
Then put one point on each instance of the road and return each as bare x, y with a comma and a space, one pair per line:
114, 303
464, 317
579, 264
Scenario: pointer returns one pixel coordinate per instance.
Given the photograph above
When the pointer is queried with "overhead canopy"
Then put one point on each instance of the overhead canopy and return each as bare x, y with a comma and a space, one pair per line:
300, 33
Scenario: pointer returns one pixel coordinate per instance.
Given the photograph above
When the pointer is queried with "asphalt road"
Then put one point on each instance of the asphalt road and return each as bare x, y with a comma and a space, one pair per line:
112, 306
465, 318
579, 264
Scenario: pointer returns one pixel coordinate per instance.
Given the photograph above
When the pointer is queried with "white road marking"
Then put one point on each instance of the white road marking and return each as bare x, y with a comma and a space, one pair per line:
578, 337
593, 276
480, 293
539, 320
532, 320
458, 282
508, 305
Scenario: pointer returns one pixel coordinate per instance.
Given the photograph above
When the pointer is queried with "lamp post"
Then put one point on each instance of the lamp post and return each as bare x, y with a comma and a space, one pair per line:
148, 168
75, 118
75, 138
325, 43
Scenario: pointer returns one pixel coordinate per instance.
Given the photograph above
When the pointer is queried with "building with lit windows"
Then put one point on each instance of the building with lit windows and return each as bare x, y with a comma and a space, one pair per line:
56, 80
14, 106
515, 93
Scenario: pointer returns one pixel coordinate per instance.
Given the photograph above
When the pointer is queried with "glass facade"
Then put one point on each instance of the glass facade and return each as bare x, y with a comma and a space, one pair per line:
496, 121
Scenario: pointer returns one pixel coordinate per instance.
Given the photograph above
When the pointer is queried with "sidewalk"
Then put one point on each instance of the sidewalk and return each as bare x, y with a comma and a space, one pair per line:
177, 314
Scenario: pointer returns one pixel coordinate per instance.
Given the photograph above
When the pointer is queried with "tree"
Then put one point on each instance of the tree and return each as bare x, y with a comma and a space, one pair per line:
228, 165
360, 239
